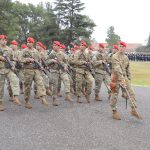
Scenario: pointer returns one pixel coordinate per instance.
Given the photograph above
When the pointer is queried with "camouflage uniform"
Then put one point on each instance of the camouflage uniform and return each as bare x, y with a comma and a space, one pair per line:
6, 72
32, 73
82, 73
121, 66
110, 66
17, 54
100, 73
73, 71
45, 77
121, 77
57, 73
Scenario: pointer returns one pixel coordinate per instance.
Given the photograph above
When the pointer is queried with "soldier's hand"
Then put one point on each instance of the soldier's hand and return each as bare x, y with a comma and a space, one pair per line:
2, 58
123, 83
66, 68
54, 60
30, 60
84, 62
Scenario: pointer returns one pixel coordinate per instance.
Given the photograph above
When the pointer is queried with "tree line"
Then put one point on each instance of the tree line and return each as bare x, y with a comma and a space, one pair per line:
62, 21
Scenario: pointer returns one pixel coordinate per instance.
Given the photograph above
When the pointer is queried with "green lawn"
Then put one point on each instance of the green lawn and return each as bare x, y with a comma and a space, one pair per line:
140, 73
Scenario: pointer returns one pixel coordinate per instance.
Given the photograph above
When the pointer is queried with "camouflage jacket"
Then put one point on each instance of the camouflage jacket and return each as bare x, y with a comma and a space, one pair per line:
60, 57
4, 66
121, 66
98, 62
28, 53
79, 61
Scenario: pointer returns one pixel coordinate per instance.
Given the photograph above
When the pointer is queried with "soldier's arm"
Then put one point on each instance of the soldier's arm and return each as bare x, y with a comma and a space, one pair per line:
97, 61
128, 71
77, 61
24, 59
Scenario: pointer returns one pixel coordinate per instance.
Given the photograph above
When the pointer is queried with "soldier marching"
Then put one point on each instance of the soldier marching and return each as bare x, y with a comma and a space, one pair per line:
77, 71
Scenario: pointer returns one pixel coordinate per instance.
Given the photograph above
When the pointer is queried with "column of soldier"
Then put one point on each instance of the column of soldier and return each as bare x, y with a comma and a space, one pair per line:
139, 56
77, 71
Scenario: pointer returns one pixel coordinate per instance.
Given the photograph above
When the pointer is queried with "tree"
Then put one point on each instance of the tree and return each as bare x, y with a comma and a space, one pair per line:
70, 20
112, 38
36, 21
144, 49
9, 22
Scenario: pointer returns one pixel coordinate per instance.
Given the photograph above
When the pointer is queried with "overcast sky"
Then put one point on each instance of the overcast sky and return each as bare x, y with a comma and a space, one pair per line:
129, 17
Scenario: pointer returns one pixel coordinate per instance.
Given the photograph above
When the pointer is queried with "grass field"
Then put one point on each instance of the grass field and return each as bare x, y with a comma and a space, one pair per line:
140, 73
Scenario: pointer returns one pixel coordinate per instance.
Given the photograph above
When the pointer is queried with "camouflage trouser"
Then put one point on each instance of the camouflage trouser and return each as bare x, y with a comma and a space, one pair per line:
50, 80
74, 79
55, 81
31, 75
70, 80
99, 78
113, 98
12, 80
59, 85
20, 75
45, 81
79, 82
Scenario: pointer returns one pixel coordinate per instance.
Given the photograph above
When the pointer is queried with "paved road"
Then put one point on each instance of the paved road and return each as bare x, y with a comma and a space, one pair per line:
75, 126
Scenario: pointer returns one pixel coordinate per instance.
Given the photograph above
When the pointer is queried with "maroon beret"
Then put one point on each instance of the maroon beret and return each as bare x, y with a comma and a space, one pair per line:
30, 40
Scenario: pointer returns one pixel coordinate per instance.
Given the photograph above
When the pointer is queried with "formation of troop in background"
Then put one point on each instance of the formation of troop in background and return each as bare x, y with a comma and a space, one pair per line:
138, 56
45, 69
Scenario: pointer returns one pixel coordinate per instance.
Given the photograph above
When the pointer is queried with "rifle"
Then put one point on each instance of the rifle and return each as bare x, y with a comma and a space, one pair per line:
38, 64
8, 61
61, 66
45, 65
18, 65
106, 68
89, 66
130, 99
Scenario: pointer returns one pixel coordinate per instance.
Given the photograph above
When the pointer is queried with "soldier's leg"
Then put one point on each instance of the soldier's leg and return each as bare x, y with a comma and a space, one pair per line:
98, 83
124, 94
114, 97
11, 98
46, 84
28, 79
107, 81
74, 80
21, 82
113, 102
14, 84
41, 91
50, 81
131, 94
89, 80
35, 91
71, 84
2, 83
55, 77
79, 79
66, 82
132, 100
84, 84
59, 87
